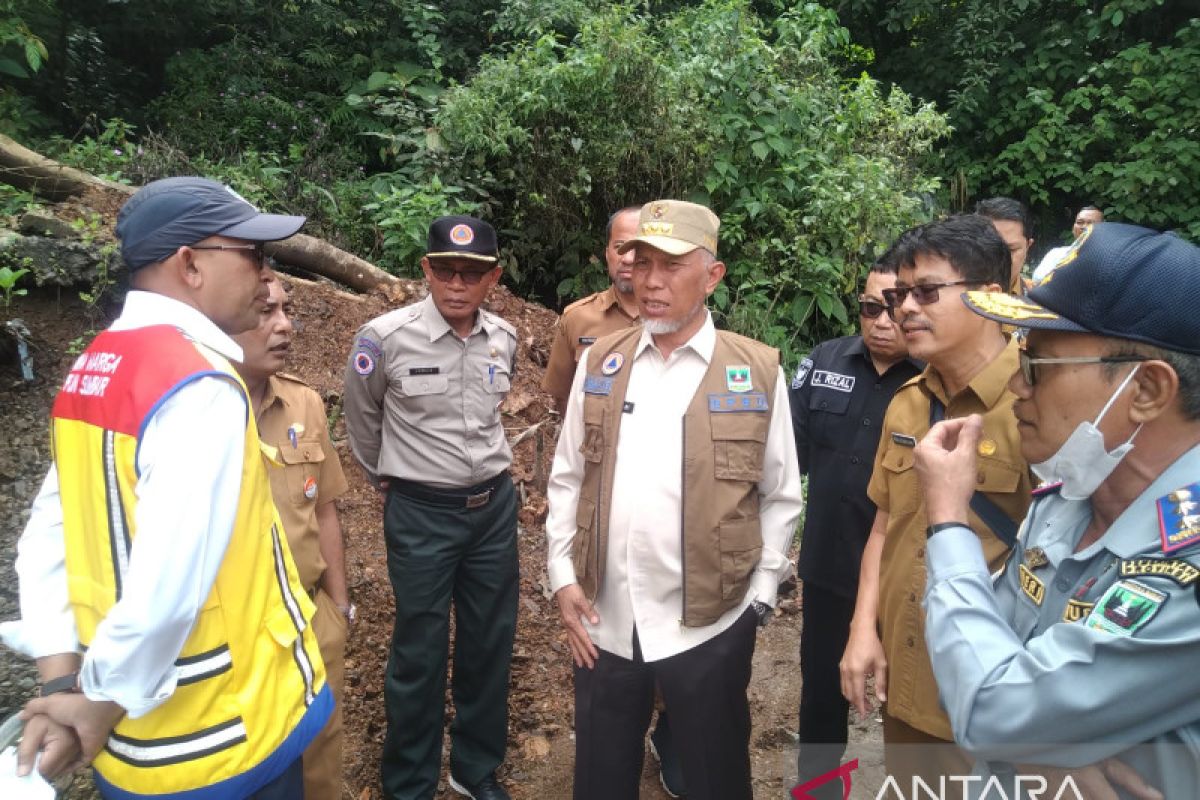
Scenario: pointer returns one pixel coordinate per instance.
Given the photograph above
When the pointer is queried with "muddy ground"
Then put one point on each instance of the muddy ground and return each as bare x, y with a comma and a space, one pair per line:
541, 745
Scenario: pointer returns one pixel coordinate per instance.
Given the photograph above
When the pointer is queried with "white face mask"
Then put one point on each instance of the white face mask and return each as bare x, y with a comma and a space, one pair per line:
1082, 463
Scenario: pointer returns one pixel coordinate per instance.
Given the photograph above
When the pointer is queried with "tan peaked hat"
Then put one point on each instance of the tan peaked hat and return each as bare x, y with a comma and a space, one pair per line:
676, 227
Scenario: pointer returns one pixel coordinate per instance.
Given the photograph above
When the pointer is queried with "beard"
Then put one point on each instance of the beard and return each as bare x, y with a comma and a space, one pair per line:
623, 285
663, 327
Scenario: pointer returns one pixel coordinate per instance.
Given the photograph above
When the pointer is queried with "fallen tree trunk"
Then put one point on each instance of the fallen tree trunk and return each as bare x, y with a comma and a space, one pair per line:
25, 169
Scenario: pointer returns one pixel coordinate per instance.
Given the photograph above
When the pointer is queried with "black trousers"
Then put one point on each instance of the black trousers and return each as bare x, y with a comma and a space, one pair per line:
704, 690
438, 553
823, 710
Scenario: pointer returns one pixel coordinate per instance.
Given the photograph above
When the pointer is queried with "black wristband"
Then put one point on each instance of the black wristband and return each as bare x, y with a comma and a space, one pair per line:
941, 526
63, 683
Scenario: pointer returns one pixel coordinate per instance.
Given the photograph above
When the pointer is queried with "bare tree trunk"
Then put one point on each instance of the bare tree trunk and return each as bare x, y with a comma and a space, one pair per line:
25, 169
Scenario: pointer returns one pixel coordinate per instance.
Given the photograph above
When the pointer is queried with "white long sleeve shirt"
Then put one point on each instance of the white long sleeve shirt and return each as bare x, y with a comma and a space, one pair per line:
643, 579
190, 464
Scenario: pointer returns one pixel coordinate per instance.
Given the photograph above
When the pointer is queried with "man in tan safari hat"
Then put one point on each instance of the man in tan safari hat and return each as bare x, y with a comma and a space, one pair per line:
673, 498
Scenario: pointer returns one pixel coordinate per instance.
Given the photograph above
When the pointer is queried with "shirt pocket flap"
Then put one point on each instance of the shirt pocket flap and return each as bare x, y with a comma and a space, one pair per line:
996, 476
897, 459
415, 385
282, 627
495, 380
306, 451
828, 401
746, 427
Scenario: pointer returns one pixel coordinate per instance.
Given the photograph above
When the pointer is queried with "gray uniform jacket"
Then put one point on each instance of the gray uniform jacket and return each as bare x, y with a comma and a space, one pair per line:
423, 404
1071, 658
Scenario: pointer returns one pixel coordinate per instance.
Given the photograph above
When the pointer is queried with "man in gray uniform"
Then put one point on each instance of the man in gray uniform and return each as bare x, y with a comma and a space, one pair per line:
1084, 649
422, 402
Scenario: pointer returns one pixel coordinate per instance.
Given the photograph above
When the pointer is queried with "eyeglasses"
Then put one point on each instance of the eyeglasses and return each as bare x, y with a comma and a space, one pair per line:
260, 255
870, 308
470, 277
1028, 362
924, 294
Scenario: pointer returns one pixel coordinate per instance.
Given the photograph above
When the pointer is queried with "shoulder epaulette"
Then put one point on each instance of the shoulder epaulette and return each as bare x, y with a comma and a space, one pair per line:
500, 322
583, 301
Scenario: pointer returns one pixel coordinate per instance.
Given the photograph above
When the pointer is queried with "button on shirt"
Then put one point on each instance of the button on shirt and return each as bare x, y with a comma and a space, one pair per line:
423, 404
1002, 475
190, 470
582, 323
643, 583
292, 421
838, 400
1050, 666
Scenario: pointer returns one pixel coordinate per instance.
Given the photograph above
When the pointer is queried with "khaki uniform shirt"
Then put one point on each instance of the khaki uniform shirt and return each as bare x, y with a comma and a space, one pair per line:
581, 323
292, 420
1003, 476
423, 404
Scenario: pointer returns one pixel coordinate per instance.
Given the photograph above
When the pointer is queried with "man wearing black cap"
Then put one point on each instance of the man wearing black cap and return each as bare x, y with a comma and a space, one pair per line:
157, 593
1085, 648
423, 392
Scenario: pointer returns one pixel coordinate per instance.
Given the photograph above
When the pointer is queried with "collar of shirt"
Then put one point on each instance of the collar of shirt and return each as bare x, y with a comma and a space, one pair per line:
608, 299
702, 343
438, 327
143, 309
272, 395
1138, 526
988, 385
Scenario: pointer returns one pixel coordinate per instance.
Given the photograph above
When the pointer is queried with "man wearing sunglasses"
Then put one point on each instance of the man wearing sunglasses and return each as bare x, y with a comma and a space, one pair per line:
838, 397
158, 594
1085, 647
422, 401
969, 362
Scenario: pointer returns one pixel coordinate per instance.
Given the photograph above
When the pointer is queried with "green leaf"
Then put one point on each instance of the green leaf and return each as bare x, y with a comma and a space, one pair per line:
378, 80
760, 150
12, 68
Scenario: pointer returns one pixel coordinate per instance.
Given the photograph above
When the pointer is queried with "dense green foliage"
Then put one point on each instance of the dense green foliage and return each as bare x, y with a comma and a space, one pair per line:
1059, 103
373, 116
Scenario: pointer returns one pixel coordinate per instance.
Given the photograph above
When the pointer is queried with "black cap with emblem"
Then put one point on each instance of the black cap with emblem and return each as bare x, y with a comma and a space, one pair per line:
1117, 280
460, 236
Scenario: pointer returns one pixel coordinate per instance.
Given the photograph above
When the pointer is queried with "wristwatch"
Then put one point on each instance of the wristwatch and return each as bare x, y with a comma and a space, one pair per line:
941, 526
63, 683
762, 611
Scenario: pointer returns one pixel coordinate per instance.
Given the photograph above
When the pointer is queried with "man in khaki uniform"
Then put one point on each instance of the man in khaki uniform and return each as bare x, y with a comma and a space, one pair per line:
305, 480
673, 499
969, 363
598, 314
423, 393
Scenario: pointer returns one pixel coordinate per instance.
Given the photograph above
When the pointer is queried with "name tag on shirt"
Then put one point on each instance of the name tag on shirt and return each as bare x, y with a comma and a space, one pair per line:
738, 401
832, 380
424, 370
587, 339
597, 384
904, 440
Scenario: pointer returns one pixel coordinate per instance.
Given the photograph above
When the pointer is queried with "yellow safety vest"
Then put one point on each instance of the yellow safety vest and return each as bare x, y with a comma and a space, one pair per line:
250, 691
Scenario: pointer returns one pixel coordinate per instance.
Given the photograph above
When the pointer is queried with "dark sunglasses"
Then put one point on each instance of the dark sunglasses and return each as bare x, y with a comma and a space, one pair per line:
470, 277
1028, 362
869, 308
924, 294
257, 251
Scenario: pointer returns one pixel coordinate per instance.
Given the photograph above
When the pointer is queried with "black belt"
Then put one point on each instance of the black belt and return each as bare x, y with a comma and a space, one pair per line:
476, 496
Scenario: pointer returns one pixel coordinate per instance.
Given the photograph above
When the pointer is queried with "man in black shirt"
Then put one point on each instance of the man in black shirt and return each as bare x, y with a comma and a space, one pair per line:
838, 398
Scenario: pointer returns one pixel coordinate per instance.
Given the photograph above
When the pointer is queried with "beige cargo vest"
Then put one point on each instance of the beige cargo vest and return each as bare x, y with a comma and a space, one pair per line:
724, 440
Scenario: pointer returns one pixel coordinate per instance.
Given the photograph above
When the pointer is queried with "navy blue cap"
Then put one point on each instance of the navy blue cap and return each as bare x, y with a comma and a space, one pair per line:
1116, 280
167, 214
460, 236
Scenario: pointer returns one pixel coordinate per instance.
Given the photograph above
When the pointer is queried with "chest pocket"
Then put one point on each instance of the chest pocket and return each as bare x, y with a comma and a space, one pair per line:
739, 444
828, 401
417, 385
904, 490
495, 379
302, 468
993, 475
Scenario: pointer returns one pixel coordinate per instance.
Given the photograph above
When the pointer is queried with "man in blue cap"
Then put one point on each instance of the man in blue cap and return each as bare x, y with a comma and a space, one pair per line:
1083, 651
169, 624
